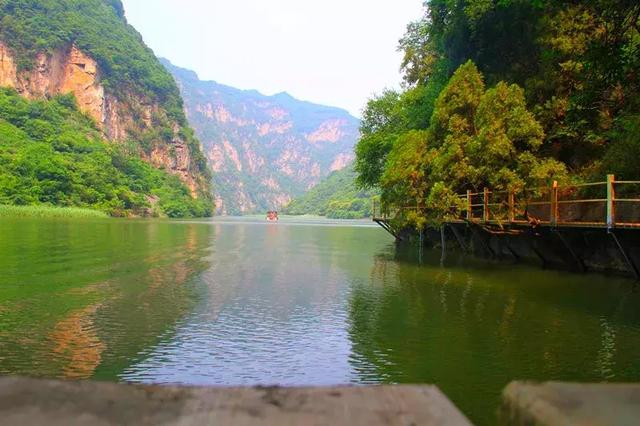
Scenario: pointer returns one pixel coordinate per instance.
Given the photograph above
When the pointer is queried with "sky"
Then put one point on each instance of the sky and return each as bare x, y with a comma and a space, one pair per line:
332, 52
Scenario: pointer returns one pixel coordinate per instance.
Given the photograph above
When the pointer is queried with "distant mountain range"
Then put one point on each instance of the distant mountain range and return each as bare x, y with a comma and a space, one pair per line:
264, 150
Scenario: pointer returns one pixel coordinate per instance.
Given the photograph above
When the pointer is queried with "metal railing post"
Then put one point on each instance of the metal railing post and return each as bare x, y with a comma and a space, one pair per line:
469, 205
485, 210
554, 204
611, 200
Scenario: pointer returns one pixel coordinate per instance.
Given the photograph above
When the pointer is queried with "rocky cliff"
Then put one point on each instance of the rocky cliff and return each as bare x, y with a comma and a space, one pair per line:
264, 150
114, 77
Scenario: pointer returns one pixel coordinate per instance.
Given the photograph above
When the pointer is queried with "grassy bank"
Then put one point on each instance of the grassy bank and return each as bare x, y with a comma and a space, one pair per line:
47, 211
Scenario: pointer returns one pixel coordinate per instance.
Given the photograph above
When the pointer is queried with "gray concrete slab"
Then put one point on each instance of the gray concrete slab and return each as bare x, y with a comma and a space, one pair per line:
569, 404
53, 403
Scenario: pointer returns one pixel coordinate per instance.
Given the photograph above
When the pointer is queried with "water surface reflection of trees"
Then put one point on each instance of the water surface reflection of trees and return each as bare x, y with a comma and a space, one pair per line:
86, 299
471, 328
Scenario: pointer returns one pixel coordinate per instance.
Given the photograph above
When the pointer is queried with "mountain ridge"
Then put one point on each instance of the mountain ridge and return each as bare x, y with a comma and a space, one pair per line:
280, 95
264, 150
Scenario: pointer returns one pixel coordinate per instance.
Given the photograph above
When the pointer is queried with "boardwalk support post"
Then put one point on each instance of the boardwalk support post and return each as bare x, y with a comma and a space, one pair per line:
469, 205
579, 263
625, 255
443, 242
474, 230
456, 233
553, 217
515, 255
485, 206
611, 200
534, 249
512, 206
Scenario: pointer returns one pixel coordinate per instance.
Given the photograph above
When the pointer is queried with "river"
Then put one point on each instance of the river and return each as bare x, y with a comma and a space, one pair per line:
301, 302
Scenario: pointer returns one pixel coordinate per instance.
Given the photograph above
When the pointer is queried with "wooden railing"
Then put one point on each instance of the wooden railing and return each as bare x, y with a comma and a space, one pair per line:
609, 204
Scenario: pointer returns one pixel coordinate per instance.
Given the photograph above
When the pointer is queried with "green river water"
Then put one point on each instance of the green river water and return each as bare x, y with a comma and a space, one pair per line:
301, 302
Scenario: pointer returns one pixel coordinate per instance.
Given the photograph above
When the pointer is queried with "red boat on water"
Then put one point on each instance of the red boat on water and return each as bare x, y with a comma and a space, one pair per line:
272, 216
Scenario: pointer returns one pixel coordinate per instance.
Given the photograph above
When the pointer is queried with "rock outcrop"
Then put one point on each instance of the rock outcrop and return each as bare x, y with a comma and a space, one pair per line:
264, 150
122, 117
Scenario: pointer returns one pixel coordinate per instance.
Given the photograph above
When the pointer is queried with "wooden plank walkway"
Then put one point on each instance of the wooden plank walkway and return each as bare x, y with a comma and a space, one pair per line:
607, 205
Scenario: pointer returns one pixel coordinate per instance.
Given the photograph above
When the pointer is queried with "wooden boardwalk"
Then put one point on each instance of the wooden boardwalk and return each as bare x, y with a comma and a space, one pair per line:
609, 204
612, 206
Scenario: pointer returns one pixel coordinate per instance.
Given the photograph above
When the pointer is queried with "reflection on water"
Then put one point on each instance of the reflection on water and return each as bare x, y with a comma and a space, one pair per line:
85, 299
273, 311
77, 343
472, 328
240, 302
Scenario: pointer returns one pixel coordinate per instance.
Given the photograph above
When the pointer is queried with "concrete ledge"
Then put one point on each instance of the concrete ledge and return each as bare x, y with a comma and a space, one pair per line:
52, 403
571, 404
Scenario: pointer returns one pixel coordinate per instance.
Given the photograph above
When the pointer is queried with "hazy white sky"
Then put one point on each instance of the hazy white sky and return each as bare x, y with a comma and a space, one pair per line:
334, 52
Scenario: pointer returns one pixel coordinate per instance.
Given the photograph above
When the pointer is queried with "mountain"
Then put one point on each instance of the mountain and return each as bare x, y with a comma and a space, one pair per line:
87, 49
335, 197
264, 150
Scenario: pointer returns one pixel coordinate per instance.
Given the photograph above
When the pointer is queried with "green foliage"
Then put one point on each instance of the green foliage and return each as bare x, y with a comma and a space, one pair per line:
477, 138
98, 28
51, 154
49, 212
622, 158
335, 197
564, 95
487, 138
384, 119
403, 181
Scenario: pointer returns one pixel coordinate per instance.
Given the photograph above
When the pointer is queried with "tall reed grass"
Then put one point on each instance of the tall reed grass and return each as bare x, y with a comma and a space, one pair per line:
49, 212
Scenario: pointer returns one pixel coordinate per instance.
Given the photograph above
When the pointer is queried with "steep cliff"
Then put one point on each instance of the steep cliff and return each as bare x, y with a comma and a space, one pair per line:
264, 150
86, 48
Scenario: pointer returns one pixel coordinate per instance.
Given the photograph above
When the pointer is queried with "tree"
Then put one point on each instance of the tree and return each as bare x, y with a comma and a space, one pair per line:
381, 122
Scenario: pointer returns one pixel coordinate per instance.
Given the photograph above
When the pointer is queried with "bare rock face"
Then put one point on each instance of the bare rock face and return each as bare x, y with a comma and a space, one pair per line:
69, 70
8, 76
65, 71
264, 150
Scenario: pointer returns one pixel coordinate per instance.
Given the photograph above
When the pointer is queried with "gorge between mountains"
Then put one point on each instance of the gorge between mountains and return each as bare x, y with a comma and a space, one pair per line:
264, 151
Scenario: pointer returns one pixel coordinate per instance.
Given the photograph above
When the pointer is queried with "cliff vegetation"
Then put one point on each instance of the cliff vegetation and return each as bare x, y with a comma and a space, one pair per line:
52, 154
86, 48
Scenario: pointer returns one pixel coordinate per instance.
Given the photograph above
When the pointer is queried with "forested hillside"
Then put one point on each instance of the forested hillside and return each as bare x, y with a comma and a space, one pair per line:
51, 153
506, 94
336, 197
86, 49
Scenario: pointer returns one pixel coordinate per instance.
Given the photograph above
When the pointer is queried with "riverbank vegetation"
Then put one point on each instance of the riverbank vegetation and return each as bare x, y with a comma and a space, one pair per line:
52, 154
49, 212
336, 197
506, 94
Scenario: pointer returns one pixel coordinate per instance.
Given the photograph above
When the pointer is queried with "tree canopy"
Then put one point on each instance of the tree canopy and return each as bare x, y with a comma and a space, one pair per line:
506, 94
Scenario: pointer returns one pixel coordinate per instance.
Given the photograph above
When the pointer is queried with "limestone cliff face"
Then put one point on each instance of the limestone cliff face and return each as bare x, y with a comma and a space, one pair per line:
128, 116
264, 150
